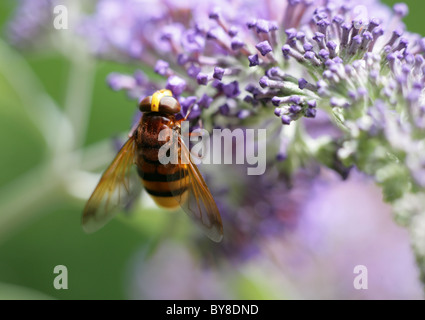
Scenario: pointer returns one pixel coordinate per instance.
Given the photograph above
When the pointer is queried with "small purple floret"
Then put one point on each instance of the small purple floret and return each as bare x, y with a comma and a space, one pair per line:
176, 85
285, 119
264, 47
253, 60
218, 73
202, 78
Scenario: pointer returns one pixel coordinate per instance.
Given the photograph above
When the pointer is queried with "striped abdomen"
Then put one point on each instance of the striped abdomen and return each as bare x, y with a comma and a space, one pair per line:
162, 181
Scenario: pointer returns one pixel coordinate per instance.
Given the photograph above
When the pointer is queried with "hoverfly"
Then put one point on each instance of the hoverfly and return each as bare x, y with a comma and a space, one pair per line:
169, 185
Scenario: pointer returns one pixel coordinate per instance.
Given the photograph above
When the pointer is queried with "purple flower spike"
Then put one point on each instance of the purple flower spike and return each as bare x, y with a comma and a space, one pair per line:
366, 80
264, 47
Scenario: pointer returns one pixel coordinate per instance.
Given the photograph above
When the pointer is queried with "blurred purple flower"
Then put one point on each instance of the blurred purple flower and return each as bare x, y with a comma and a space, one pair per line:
154, 277
342, 225
31, 22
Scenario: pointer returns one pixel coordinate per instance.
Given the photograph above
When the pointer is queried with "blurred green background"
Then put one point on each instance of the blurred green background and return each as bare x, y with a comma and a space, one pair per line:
47, 232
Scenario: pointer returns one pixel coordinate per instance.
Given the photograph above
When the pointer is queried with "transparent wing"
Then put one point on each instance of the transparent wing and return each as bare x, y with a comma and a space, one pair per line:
116, 190
196, 199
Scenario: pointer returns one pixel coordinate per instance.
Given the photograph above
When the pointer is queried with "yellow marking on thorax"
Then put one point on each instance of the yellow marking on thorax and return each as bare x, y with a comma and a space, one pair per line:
156, 98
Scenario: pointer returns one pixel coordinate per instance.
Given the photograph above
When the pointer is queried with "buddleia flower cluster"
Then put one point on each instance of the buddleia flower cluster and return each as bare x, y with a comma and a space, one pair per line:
349, 64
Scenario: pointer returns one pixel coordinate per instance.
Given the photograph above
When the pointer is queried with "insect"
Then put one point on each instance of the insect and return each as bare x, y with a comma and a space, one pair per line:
170, 185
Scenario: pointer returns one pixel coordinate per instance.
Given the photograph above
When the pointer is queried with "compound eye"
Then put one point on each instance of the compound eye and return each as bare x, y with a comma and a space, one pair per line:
145, 104
169, 105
